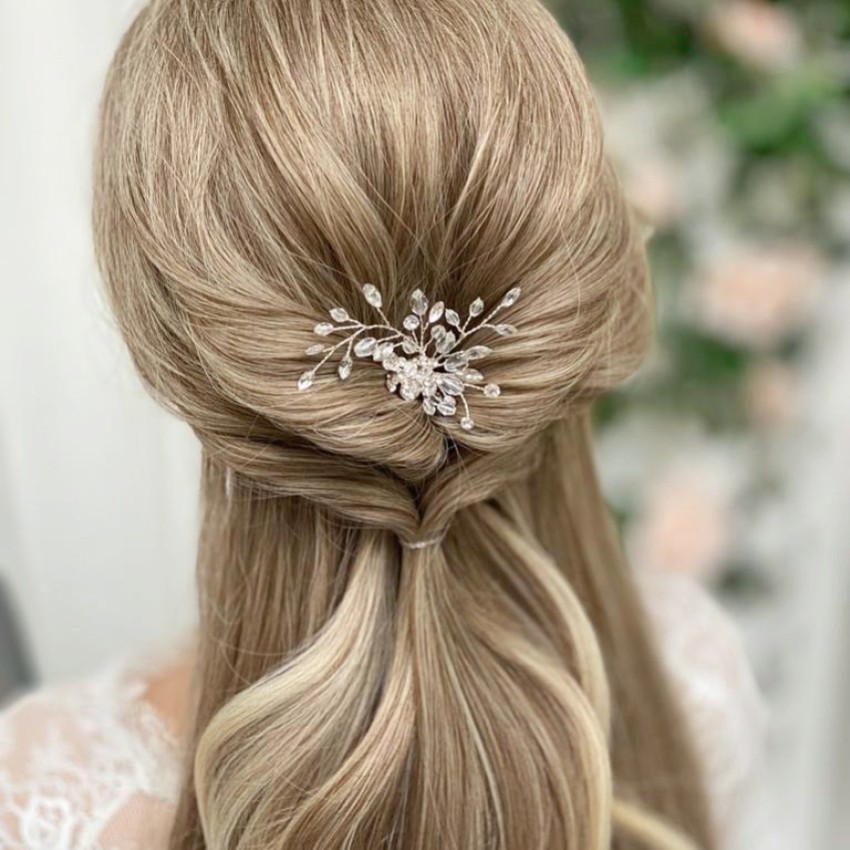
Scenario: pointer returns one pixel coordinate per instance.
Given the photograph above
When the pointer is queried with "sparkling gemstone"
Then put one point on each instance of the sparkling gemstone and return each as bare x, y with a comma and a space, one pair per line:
370, 291
306, 380
344, 368
363, 347
452, 317
476, 307
410, 346
419, 302
492, 390
510, 298
429, 405
411, 322
477, 351
438, 331
446, 342
381, 351
472, 375
447, 406
456, 361
436, 312
323, 328
466, 423
505, 329
338, 314
450, 384
416, 376
318, 348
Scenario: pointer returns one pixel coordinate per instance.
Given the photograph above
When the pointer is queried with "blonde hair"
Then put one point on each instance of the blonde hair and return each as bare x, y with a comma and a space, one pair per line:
258, 161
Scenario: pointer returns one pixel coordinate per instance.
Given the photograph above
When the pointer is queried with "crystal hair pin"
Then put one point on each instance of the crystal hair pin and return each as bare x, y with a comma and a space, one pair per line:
426, 360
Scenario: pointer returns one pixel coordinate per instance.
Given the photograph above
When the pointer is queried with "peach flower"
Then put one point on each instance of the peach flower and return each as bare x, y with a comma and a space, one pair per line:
685, 526
763, 35
758, 296
654, 188
771, 394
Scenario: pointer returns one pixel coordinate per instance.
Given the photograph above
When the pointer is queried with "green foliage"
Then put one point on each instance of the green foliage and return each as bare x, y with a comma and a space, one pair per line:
772, 104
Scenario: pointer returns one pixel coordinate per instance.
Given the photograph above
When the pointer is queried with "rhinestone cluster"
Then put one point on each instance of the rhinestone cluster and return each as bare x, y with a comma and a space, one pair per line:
423, 361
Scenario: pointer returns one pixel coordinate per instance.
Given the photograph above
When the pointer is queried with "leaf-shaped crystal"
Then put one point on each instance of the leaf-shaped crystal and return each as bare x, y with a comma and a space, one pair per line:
419, 302
306, 380
338, 314
429, 405
455, 362
318, 348
447, 406
472, 376
510, 298
438, 331
477, 351
450, 384
410, 346
452, 317
344, 368
323, 328
411, 322
372, 295
384, 350
436, 312
476, 308
446, 342
466, 423
505, 329
363, 347
492, 390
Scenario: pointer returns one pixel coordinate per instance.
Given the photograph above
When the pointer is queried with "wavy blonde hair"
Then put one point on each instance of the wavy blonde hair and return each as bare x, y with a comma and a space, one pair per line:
258, 161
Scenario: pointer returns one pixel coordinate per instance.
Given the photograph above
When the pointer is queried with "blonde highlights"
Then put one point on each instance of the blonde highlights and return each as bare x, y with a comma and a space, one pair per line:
258, 161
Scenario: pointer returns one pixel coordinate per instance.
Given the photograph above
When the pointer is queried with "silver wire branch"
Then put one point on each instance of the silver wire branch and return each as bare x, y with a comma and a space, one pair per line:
439, 378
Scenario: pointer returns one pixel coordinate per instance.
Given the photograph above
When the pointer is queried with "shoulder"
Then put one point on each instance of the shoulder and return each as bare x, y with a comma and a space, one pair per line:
84, 767
703, 653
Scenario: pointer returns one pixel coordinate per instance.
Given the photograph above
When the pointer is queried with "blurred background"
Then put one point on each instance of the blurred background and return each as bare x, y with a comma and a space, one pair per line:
727, 459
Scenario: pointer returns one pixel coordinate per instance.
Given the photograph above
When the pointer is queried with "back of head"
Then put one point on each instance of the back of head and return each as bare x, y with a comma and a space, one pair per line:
495, 688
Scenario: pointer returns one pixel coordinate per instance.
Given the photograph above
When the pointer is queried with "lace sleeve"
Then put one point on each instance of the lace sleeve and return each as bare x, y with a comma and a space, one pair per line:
82, 768
705, 658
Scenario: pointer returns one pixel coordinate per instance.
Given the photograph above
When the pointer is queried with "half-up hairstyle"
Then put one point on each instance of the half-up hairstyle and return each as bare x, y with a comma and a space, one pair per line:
259, 161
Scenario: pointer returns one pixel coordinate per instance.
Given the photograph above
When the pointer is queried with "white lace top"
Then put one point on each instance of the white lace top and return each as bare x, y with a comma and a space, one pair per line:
90, 766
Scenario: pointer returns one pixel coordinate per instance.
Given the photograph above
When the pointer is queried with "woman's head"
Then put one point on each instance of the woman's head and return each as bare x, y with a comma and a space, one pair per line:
259, 161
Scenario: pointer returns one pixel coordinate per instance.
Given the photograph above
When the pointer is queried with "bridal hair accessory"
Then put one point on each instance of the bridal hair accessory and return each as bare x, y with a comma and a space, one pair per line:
424, 360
